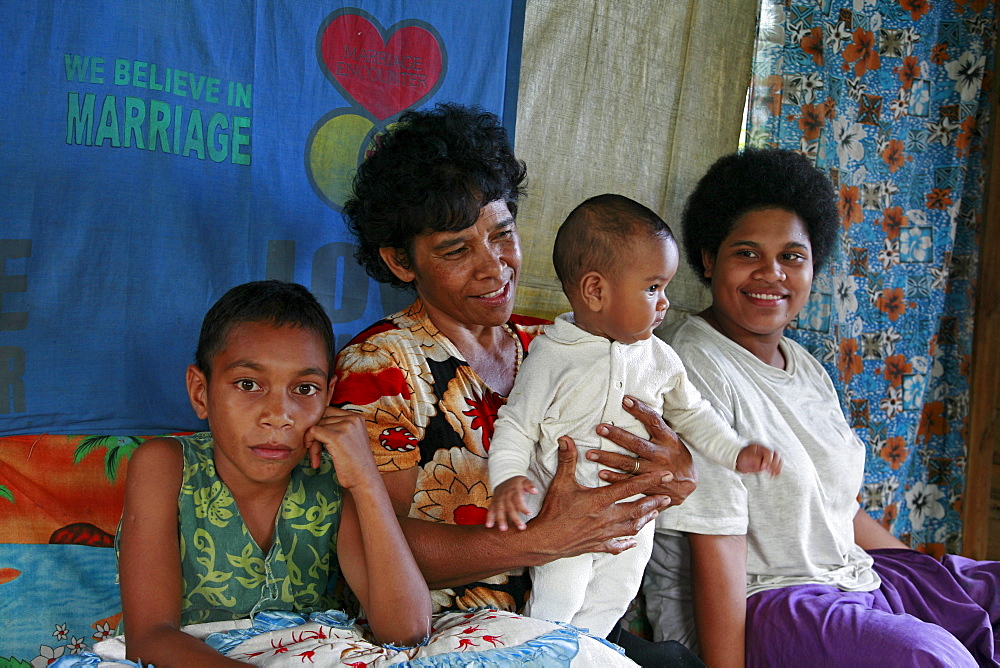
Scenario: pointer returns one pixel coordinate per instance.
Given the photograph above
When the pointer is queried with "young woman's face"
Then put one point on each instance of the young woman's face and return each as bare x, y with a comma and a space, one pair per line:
468, 278
268, 386
761, 275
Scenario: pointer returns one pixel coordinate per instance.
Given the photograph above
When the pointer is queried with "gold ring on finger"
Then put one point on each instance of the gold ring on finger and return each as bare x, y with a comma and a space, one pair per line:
635, 467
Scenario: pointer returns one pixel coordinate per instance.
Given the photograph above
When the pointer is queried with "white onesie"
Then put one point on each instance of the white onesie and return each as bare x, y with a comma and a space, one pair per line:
569, 383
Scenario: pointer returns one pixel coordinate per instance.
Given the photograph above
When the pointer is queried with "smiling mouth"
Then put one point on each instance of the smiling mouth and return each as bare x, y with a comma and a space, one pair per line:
765, 297
499, 292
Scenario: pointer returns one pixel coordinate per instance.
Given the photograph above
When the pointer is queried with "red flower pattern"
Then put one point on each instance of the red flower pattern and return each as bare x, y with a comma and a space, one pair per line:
811, 121
397, 439
812, 44
896, 367
484, 414
935, 550
364, 388
939, 198
889, 516
893, 155
967, 133
892, 220
917, 8
849, 361
908, 71
932, 421
894, 452
849, 206
862, 52
891, 301
939, 54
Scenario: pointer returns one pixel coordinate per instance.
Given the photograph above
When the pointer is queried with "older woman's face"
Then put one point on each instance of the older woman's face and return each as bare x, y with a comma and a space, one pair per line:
761, 275
468, 278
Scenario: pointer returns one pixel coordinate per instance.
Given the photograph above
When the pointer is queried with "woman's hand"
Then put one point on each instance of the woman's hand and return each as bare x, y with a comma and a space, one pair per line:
575, 519
344, 435
663, 454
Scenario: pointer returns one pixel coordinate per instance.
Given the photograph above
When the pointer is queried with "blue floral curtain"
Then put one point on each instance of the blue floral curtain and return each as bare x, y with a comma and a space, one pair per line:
890, 98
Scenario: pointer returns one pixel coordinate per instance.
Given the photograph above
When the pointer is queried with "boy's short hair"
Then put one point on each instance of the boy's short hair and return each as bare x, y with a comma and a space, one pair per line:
275, 303
595, 237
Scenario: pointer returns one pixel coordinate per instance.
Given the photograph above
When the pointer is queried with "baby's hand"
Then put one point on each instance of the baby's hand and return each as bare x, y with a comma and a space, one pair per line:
508, 503
344, 435
756, 458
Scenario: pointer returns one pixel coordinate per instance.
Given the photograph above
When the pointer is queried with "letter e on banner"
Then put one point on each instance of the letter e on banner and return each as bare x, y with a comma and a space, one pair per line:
12, 249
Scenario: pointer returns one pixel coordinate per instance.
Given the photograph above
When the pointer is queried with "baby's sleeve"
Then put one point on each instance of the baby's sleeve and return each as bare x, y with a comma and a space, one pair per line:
694, 418
517, 430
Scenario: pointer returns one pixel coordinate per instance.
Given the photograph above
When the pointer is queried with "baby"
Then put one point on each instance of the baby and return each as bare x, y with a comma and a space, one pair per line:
615, 258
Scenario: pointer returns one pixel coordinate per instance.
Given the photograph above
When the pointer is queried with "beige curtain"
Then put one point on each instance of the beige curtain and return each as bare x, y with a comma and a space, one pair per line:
636, 97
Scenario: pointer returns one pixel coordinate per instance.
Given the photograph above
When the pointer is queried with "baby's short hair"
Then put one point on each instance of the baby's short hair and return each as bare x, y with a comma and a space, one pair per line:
596, 237
272, 302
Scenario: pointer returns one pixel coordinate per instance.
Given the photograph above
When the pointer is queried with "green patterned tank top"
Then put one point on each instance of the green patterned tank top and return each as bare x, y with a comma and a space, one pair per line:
226, 575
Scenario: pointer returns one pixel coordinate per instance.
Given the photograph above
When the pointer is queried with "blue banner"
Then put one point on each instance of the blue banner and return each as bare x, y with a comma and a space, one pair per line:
157, 154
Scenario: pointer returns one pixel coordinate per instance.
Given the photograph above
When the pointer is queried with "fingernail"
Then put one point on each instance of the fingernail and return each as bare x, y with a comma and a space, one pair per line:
668, 477
602, 430
592, 456
628, 401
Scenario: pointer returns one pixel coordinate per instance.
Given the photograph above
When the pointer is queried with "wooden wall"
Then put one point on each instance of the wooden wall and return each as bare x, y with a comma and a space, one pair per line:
981, 508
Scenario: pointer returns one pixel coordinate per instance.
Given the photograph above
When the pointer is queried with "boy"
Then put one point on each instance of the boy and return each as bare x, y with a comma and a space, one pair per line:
222, 524
615, 259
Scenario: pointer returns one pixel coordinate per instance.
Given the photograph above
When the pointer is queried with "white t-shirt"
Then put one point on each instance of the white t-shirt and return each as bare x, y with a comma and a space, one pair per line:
799, 524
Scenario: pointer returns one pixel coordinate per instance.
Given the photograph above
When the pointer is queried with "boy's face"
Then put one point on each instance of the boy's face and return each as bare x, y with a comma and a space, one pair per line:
268, 386
637, 300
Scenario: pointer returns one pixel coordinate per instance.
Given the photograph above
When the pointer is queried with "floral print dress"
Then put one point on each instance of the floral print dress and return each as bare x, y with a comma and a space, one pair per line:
426, 407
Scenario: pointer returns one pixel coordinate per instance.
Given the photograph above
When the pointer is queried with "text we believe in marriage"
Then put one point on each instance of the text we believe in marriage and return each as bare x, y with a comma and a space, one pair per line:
186, 125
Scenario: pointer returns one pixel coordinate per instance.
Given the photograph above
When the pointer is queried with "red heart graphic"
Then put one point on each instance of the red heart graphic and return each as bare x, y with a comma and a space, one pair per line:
384, 77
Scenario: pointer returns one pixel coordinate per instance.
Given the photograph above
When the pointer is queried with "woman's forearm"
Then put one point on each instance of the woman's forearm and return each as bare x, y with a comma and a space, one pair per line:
450, 555
719, 590
870, 535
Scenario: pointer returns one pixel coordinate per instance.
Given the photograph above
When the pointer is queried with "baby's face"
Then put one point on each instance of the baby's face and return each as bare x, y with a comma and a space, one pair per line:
638, 299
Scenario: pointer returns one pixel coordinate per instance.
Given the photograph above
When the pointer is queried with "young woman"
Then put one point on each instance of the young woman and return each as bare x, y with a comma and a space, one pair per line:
827, 585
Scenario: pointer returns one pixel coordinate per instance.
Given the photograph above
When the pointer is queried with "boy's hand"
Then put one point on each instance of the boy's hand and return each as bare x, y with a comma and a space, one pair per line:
344, 435
756, 458
508, 503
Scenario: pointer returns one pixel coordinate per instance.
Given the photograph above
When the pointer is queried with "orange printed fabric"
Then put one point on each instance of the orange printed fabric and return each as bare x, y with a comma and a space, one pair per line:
63, 489
426, 407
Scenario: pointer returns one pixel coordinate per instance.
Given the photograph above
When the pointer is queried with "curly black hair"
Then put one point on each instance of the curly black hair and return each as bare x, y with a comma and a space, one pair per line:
434, 171
751, 180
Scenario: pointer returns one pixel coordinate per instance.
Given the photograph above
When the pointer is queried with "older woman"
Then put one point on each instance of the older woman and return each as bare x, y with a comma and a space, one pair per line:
433, 209
827, 585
